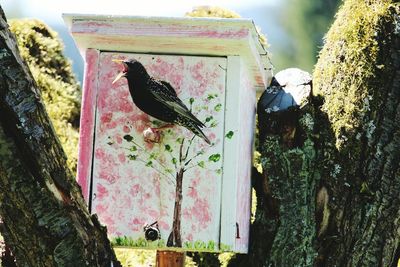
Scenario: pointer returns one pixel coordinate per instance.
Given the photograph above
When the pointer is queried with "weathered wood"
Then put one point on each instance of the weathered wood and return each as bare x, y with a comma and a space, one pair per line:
185, 36
170, 259
46, 222
87, 122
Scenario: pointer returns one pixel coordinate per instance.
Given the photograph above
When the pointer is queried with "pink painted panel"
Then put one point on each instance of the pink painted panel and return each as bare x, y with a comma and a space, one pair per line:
134, 182
85, 152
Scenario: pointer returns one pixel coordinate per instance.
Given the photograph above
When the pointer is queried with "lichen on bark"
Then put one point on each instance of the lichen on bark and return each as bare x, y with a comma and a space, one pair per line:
358, 78
352, 166
291, 183
45, 218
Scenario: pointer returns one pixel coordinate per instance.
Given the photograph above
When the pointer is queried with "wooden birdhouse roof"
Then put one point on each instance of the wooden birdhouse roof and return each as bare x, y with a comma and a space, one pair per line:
166, 35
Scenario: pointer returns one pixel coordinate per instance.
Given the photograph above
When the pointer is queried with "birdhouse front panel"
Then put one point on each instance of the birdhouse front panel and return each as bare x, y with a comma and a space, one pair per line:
173, 183
167, 125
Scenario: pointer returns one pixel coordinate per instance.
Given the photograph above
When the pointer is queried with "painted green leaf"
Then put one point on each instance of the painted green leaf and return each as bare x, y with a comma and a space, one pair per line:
229, 134
210, 96
152, 155
191, 100
201, 164
174, 160
168, 148
200, 245
161, 243
132, 157
141, 242
214, 157
218, 171
188, 244
149, 164
209, 118
211, 245
213, 124
128, 137
133, 148
156, 123
118, 241
218, 107
224, 247
110, 143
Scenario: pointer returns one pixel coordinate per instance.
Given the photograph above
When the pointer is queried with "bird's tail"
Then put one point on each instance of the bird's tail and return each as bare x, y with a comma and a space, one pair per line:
193, 127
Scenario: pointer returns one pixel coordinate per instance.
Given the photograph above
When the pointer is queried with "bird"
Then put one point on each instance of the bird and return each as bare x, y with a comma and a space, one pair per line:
158, 98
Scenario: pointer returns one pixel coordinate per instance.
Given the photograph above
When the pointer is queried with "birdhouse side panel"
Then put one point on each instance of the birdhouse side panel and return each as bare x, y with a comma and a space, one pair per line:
246, 133
137, 183
87, 121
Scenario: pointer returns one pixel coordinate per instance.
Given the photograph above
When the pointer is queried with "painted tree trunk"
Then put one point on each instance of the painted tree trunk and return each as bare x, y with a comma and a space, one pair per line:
46, 222
333, 199
174, 239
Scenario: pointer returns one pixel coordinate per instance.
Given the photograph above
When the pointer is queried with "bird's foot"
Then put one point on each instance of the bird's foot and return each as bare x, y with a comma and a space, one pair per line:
151, 135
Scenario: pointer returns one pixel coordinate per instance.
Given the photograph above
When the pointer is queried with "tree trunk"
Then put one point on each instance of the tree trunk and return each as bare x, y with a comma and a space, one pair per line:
46, 222
358, 76
334, 199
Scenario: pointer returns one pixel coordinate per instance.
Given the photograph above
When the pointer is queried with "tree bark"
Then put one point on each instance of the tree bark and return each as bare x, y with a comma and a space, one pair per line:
358, 76
46, 222
333, 200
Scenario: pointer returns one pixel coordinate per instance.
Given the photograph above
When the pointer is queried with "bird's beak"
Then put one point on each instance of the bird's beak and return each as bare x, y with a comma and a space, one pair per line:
122, 73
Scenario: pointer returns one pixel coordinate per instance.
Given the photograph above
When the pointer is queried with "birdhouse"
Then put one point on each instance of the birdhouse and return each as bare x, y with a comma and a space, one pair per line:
165, 152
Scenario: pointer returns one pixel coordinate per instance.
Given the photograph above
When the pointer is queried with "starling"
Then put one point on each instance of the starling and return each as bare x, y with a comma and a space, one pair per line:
158, 98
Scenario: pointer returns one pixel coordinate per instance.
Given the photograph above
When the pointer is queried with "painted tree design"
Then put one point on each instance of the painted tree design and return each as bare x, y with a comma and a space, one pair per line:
182, 157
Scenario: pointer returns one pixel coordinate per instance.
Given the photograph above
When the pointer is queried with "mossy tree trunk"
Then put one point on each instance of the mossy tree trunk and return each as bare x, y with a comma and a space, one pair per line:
46, 222
334, 199
358, 76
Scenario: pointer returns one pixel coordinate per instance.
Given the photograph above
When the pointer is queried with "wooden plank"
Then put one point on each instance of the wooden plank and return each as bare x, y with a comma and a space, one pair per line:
190, 36
247, 96
232, 158
87, 121
170, 259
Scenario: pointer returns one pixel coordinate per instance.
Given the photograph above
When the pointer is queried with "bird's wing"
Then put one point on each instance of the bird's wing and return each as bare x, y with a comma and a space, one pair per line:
169, 87
166, 94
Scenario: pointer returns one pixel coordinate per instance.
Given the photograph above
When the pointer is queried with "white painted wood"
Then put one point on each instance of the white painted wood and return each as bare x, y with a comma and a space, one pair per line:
190, 36
246, 114
127, 193
232, 158
199, 57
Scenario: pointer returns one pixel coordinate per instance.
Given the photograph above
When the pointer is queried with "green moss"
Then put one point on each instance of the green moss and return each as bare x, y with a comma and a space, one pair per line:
292, 179
42, 50
352, 47
198, 245
356, 79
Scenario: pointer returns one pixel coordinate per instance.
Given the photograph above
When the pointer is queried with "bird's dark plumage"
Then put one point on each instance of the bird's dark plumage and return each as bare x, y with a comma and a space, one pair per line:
158, 98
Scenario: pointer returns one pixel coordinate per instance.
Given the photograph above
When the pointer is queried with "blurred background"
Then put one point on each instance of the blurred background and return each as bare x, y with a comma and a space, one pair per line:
294, 28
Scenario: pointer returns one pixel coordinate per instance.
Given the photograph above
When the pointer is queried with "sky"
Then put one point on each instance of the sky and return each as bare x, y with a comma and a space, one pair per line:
263, 12
52, 9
